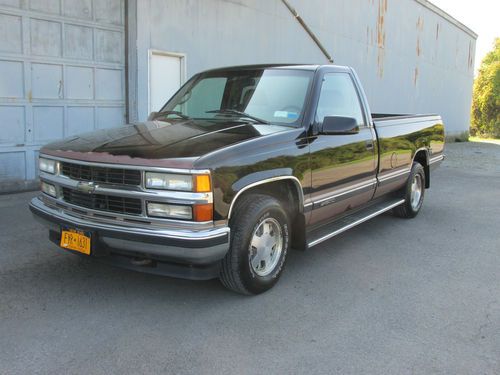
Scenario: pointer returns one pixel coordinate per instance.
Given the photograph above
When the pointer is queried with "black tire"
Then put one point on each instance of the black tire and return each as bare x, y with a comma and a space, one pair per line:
407, 210
237, 273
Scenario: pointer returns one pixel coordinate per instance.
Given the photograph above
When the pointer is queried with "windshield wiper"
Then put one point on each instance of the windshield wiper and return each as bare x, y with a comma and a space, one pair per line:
239, 113
177, 113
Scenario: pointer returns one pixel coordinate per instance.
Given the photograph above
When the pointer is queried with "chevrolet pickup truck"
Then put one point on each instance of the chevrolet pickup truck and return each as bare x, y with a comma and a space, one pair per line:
241, 165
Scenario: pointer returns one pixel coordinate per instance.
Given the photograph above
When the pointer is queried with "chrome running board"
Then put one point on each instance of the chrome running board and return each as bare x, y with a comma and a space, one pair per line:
335, 228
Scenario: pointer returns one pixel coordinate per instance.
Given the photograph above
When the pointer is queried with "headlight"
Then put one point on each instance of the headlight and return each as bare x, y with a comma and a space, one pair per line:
47, 165
172, 211
48, 189
168, 181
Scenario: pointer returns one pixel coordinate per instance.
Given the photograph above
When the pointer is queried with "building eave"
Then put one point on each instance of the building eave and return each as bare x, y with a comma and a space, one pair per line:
447, 17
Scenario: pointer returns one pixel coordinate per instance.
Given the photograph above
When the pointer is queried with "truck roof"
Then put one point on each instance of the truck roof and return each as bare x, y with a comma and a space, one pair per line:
264, 66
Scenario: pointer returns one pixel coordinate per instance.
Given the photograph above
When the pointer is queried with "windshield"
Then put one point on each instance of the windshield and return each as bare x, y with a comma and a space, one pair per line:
258, 95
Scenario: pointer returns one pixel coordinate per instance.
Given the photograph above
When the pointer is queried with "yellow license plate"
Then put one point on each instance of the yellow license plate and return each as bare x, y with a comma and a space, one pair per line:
75, 240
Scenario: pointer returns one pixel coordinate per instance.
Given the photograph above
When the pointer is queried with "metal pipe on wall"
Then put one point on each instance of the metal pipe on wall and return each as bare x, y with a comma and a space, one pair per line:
308, 30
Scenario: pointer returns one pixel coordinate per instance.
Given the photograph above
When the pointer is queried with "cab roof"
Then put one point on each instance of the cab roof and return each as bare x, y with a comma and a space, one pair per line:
311, 67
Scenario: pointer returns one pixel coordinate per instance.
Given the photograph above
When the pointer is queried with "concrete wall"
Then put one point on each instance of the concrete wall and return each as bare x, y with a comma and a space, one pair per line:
411, 57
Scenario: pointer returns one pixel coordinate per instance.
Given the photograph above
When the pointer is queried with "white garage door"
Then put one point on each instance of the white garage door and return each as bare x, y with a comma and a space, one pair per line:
62, 66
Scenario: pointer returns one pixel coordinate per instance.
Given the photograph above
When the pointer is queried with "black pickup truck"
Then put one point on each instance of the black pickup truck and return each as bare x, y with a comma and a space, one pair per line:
241, 165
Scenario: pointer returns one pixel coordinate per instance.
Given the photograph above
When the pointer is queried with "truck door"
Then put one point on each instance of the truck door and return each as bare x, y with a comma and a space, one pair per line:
343, 167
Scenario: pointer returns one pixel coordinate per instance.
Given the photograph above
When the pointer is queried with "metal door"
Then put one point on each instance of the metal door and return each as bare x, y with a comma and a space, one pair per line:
343, 167
166, 75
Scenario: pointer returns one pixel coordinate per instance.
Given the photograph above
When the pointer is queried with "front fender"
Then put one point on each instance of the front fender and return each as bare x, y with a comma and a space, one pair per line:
251, 181
257, 177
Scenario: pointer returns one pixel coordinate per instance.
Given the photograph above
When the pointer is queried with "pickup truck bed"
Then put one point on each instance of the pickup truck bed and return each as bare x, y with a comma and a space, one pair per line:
399, 136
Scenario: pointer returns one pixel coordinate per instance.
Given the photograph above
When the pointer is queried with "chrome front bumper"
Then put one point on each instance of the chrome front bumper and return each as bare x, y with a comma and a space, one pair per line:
188, 247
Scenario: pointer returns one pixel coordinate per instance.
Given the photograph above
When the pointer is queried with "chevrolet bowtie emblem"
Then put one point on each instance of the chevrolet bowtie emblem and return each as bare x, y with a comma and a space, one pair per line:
86, 187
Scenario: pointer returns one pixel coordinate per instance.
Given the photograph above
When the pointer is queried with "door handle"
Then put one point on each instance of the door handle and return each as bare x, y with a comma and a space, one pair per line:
369, 145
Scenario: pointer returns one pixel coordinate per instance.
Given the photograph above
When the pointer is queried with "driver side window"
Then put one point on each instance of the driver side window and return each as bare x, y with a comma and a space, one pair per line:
338, 97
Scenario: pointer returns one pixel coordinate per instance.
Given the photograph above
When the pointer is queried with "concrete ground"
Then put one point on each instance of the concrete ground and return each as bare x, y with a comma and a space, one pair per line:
391, 296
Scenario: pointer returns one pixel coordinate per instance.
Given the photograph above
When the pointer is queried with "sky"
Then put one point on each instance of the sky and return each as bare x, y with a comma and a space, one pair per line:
482, 16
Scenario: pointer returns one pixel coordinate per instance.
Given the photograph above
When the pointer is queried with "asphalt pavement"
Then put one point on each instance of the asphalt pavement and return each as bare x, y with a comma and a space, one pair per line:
391, 296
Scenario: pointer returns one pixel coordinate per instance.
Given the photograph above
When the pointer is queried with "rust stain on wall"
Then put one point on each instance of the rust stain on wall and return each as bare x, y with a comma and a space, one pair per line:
471, 56
420, 29
382, 11
418, 48
420, 24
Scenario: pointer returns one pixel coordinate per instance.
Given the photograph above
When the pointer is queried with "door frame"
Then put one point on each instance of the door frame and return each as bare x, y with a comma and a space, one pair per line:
157, 52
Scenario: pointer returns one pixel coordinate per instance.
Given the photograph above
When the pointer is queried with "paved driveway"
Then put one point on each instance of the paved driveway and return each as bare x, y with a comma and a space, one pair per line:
391, 296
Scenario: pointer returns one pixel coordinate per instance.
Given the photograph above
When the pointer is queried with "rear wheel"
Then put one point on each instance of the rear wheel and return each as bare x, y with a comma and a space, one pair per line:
414, 193
259, 245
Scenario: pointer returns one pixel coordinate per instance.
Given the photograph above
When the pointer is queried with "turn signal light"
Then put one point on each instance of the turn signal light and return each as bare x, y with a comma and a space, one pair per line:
203, 212
202, 183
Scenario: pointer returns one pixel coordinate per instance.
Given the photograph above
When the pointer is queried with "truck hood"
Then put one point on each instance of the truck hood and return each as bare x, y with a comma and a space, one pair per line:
157, 143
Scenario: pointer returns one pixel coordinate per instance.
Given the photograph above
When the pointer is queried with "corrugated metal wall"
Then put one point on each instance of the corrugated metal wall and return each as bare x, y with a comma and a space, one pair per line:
62, 68
410, 58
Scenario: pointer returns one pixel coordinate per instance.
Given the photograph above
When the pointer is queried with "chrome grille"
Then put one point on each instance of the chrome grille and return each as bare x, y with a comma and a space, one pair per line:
109, 203
115, 193
117, 176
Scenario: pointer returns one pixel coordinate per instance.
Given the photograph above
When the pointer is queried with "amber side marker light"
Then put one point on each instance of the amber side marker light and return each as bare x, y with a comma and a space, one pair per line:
203, 212
202, 183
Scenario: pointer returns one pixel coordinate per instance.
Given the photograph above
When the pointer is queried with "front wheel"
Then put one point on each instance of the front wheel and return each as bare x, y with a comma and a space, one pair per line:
259, 245
414, 193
